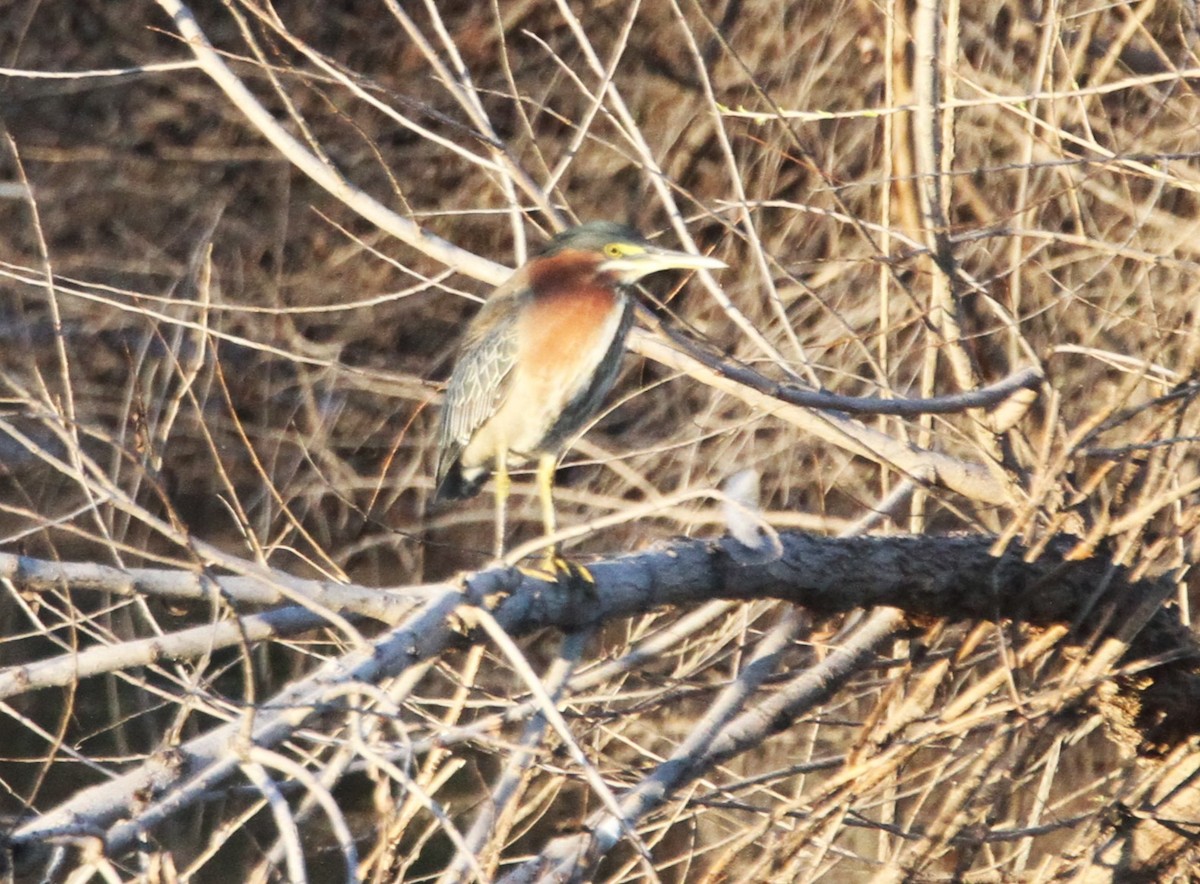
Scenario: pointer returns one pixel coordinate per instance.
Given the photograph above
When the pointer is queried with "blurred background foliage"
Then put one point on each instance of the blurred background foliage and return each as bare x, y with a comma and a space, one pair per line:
245, 360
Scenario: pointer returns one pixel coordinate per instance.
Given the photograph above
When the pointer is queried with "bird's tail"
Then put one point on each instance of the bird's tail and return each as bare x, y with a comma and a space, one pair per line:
456, 483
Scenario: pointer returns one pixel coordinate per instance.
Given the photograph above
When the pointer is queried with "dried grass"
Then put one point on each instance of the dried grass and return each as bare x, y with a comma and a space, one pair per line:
216, 363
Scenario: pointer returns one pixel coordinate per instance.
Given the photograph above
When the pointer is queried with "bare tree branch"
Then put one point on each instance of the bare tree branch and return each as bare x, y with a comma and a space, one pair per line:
950, 577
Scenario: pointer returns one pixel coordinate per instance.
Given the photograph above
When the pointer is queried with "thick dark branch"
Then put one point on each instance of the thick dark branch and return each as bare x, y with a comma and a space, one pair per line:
956, 577
952, 577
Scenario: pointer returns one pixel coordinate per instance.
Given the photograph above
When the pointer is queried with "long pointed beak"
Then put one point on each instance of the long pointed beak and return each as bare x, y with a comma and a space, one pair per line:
667, 259
630, 268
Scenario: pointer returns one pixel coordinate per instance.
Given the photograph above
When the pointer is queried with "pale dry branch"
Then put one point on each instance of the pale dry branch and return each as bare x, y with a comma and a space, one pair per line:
981, 482
321, 172
240, 243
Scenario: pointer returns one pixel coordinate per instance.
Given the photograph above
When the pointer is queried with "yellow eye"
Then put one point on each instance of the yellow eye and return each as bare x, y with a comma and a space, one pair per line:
613, 250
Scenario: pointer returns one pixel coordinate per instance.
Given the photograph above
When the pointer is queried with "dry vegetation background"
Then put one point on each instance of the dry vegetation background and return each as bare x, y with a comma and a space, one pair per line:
222, 347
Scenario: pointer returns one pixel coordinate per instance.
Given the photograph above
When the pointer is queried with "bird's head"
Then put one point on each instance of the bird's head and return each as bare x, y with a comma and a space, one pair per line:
623, 253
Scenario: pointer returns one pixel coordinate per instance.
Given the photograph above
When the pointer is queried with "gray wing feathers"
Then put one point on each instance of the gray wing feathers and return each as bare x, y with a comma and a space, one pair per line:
477, 386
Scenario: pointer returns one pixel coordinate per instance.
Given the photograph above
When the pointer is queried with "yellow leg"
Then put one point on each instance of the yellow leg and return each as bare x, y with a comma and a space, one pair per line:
545, 483
503, 486
554, 565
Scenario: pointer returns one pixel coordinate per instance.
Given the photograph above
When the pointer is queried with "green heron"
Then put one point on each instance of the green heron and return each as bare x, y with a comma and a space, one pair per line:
538, 359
